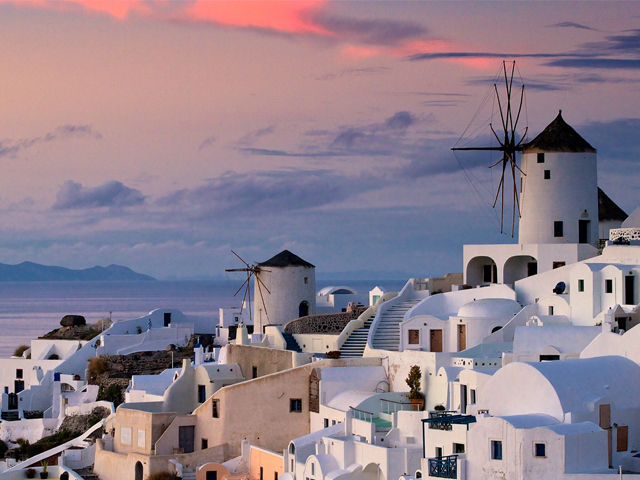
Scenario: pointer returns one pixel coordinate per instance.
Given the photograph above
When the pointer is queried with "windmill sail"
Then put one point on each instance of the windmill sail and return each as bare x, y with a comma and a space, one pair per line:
508, 137
250, 271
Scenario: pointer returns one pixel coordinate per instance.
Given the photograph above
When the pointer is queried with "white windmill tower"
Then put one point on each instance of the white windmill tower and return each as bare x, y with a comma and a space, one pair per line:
559, 188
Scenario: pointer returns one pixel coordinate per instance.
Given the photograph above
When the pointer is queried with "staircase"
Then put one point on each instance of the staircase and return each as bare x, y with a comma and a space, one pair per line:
291, 342
387, 333
354, 346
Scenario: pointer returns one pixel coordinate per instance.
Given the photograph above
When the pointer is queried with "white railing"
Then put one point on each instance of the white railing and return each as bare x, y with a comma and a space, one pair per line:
625, 233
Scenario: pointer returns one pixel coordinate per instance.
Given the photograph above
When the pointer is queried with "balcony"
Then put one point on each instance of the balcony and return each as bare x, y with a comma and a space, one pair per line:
444, 467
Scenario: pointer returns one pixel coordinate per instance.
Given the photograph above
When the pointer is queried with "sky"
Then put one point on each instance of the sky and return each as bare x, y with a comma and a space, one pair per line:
161, 135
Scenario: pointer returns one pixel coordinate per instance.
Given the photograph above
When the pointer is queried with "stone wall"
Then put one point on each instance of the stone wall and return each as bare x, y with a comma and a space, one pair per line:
332, 323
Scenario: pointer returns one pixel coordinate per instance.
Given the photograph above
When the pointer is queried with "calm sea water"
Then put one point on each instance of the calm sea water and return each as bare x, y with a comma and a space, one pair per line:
31, 309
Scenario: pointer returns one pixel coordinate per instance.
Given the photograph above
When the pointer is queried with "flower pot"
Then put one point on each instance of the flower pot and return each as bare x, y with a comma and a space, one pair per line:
417, 404
44, 474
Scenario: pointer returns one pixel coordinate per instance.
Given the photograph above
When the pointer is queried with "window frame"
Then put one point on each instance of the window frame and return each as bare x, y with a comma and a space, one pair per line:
295, 405
495, 448
608, 285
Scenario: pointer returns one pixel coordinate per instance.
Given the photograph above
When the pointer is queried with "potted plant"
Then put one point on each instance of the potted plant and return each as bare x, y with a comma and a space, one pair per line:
31, 473
44, 473
415, 394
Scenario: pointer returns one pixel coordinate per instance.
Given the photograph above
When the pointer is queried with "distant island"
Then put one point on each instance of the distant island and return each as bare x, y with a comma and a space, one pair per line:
33, 272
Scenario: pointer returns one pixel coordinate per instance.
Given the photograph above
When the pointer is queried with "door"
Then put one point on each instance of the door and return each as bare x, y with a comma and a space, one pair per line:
167, 318
436, 341
185, 438
583, 231
532, 268
605, 424
463, 399
212, 475
19, 386
462, 337
138, 471
629, 286
13, 401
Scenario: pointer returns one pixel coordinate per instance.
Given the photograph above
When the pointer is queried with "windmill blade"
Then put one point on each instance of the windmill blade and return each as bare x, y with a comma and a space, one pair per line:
261, 282
519, 108
504, 125
262, 298
495, 135
245, 296
524, 135
236, 270
248, 266
500, 185
241, 287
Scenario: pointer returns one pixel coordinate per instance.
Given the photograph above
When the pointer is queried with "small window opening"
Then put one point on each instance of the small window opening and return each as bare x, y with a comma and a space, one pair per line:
547, 174
540, 450
541, 158
608, 286
581, 285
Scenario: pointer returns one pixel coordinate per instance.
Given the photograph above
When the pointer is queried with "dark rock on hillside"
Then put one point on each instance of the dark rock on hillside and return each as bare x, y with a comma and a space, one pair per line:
73, 321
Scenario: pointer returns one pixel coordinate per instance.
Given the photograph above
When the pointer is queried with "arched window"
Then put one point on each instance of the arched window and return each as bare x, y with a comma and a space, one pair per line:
303, 309
495, 329
292, 449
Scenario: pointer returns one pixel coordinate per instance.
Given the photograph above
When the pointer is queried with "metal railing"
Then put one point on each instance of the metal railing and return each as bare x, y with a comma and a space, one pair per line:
441, 426
361, 415
444, 467
391, 406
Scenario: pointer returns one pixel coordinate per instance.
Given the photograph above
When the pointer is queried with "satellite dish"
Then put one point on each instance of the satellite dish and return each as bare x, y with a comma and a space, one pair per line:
559, 288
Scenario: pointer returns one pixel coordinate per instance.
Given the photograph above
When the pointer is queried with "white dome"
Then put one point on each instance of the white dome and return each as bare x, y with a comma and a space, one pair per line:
490, 308
333, 290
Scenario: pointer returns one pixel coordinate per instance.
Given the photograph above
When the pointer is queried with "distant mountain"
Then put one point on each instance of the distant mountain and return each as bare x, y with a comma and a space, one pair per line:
33, 272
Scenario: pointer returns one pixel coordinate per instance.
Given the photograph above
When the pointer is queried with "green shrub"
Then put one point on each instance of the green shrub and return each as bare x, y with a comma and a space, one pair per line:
97, 366
20, 350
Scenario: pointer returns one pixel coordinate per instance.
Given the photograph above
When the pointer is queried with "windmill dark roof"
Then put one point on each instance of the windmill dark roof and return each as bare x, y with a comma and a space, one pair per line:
608, 210
559, 136
286, 259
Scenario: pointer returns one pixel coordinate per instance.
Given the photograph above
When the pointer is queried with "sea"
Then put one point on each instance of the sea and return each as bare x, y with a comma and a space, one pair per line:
31, 309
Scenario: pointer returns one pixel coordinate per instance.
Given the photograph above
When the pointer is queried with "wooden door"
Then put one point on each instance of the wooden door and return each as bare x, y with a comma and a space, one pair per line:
436, 341
462, 337
605, 416
622, 438
185, 438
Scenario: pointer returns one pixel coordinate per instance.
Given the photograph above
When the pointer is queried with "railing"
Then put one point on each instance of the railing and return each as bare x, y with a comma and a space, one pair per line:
361, 415
444, 467
392, 406
441, 426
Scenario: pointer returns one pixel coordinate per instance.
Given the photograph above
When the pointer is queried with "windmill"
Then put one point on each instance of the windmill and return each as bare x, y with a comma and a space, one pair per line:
251, 271
508, 143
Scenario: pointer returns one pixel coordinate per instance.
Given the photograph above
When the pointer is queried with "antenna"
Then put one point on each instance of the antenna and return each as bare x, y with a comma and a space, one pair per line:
507, 143
251, 271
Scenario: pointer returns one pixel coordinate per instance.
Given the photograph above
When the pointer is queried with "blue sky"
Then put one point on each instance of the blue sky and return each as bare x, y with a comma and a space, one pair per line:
161, 135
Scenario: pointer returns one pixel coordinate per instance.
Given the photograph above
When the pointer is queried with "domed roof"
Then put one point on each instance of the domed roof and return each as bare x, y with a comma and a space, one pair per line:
490, 308
333, 290
559, 136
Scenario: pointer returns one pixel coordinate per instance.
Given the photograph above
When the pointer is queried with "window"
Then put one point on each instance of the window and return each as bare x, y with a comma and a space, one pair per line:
472, 395
212, 475
496, 449
142, 438
326, 423
202, 394
558, 230
550, 309
306, 280
581, 285
333, 422
215, 408
125, 435
292, 450
540, 450
295, 405
558, 264
608, 286
204, 443
254, 372
458, 448
549, 358
313, 468
541, 158
414, 337
547, 174
19, 373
